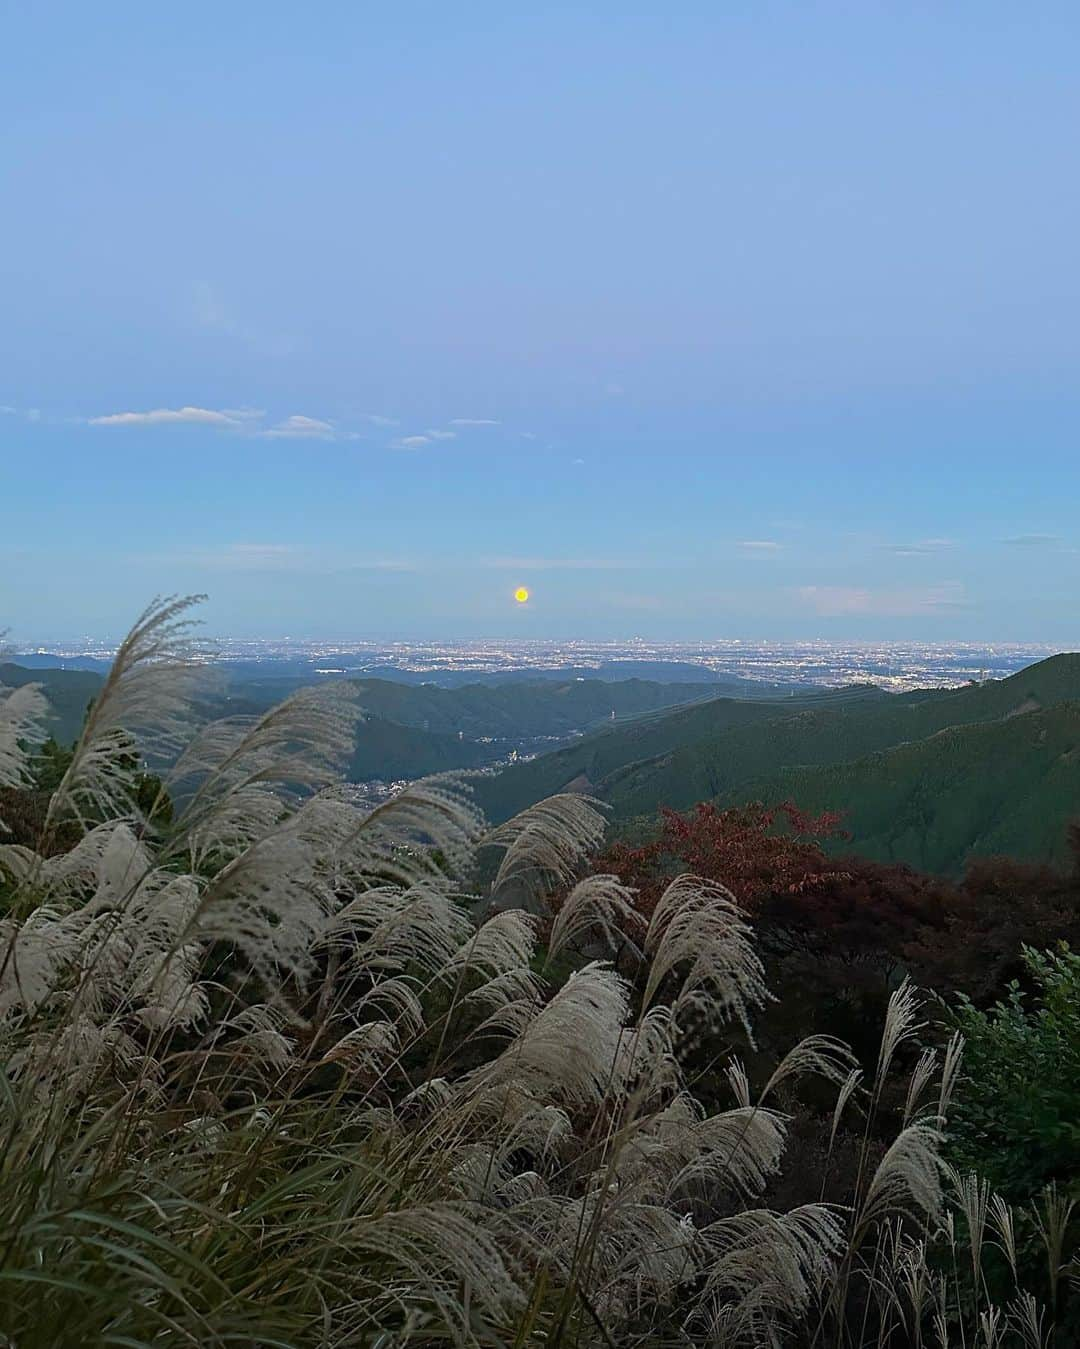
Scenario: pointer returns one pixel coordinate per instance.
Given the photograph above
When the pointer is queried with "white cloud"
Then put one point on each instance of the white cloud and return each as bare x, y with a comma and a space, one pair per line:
760, 545
245, 414
298, 427
442, 435
473, 421
410, 442
167, 417
8, 411
376, 420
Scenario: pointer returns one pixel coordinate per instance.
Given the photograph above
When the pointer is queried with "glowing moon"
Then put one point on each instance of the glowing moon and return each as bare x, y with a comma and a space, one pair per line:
521, 595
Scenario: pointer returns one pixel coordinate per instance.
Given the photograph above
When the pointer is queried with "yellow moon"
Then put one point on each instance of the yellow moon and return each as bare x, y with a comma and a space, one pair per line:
521, 595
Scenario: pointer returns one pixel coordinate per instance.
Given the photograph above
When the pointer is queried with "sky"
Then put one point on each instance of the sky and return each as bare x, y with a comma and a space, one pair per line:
700, 320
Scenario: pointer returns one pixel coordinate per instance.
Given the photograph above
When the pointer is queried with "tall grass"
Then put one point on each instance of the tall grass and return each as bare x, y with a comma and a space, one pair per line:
282, 1072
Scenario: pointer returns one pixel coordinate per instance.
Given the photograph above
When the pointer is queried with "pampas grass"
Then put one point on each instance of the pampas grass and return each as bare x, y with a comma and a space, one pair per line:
282, 1072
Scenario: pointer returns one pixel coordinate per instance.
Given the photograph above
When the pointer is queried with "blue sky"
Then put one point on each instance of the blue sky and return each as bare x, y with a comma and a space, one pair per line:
701, 320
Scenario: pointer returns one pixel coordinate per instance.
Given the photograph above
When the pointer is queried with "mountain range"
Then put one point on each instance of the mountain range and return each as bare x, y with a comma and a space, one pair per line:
929, 777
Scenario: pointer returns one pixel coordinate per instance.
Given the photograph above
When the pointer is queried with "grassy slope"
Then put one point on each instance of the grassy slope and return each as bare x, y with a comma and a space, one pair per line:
994, 787
68, 692
591, 761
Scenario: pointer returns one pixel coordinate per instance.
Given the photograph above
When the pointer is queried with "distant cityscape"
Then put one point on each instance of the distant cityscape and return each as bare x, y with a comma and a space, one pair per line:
891, 665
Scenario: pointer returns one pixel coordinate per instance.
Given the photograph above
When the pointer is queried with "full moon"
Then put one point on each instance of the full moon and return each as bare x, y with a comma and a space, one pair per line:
521, 595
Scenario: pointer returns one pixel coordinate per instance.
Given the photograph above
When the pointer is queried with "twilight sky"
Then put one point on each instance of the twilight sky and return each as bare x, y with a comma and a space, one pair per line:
700, 319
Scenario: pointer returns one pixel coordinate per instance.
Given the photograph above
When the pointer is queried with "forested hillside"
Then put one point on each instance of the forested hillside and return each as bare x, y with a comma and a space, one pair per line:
832, 754
68, 691
591, 763
1007, 787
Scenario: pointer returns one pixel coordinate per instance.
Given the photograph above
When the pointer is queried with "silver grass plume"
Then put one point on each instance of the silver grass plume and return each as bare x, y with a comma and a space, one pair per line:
763, 1266
148, 694
588, 1012
22, 715
238, 772
597, 904
697, 927
908, 1177
819, 1055
545, 845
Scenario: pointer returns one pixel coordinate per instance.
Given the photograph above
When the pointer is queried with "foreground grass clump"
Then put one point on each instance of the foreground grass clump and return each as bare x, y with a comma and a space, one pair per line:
280, 1072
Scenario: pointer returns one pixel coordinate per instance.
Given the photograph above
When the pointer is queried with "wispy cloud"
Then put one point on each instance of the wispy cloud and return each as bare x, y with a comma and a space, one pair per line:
242, 557
376, 420
243, 421
761, 545
1032, 540
170, 417
920, 548
473, 421
441, 435
298, 427
411, 442
837, 601
553, 564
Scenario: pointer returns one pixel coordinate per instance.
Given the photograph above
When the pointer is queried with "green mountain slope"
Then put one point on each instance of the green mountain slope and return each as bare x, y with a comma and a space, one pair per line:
590, 764
388, 751
511, 711
995, 787
724, 763
68, 691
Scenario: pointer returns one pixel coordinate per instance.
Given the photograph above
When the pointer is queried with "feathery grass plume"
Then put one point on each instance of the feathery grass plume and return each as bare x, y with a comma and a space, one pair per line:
973, 1196
428, 832
913, 1295
588, 1013
848, 1088
438, 1259
921, 1077
679, 1152
237, 772
901, 1023
146, 701
698, 927
388, 930
950, 1071
544, 845
738, 1081
990, 1327
1000, 1217
907, 1179
22, 716
764, 1270
597, 904
820, 1055
1052, 1221
1028, 1317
